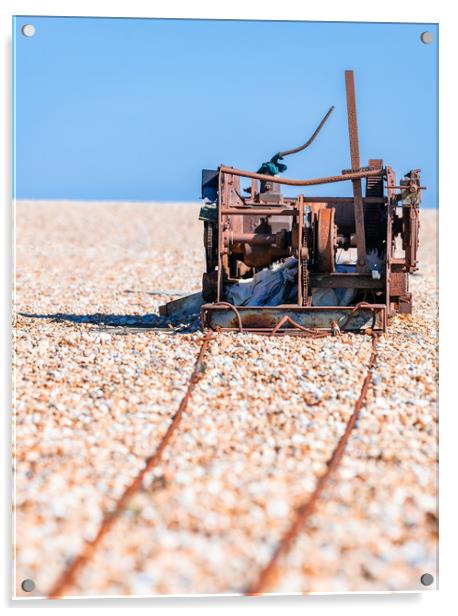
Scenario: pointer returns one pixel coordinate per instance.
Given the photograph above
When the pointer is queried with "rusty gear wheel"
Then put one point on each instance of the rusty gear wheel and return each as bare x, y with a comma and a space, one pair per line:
306, 289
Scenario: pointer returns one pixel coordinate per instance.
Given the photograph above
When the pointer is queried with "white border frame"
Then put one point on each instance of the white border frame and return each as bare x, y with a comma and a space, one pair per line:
333, 10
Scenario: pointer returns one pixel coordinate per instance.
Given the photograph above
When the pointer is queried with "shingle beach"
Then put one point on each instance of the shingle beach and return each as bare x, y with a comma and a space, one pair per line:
98, 376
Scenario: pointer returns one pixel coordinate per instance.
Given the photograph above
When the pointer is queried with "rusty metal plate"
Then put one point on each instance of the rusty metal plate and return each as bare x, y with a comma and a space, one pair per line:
266, 318
399, 283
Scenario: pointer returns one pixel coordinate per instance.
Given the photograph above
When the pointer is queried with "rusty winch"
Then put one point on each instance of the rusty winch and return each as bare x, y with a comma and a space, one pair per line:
305, 263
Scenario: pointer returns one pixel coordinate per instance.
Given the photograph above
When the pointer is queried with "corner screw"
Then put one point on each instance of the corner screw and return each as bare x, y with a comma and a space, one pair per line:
28, 585
426, 579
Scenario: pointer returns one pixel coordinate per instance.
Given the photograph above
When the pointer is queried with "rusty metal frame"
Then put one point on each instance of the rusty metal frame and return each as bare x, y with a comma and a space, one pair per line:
226, 317
260, 245
276, 314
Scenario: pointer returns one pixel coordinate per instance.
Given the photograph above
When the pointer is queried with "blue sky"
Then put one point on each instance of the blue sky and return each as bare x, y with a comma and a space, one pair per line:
133, 109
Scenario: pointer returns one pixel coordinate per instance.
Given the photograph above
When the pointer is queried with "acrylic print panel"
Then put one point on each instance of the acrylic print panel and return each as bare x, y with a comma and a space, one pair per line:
157, 453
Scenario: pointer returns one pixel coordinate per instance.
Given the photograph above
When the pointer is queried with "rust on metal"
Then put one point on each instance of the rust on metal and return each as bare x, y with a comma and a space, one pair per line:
311, 140
251, 227
333, 199
326, 240
302, 254
69, 575
345, 281
352, 119
313, 333
261, 319
259, 211
266, 577
313, 182
355, 163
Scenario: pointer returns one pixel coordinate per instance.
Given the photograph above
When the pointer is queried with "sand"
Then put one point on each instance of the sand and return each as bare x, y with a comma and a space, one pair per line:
91, 404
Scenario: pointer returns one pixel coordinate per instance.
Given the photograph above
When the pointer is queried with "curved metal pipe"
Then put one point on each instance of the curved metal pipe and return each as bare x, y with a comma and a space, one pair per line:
311, 140
277, 180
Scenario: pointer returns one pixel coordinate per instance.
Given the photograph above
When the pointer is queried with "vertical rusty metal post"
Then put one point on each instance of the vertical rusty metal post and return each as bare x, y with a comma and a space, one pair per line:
254, 188
219, 285
300, 206
361, 264
391, 207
